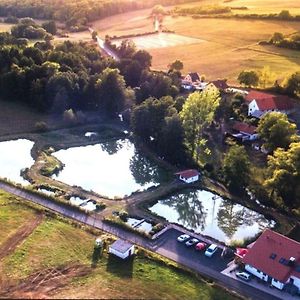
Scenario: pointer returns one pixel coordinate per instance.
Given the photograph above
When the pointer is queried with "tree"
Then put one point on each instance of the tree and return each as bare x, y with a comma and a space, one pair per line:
196, 114
50, 27
176, 65
276, 38
236, 167
94, 35
284, 15
276, 131
158, 10
284, 175
143, 58
248, 78
111, 90
293, 85
266, 77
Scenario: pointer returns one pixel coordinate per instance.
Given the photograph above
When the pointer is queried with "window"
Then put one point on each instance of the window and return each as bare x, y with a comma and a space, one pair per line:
283, 261
273, 256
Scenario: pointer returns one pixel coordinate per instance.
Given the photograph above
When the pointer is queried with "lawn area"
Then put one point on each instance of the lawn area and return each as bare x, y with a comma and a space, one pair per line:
12, 215
225, 47
56, 245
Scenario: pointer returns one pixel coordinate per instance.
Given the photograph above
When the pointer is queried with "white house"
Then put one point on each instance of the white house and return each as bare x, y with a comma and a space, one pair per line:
260, 103
122, 249
274, 258
248, 132
188, 176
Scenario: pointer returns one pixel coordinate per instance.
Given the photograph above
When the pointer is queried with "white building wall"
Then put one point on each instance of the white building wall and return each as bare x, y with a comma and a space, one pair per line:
296, 281
190, 180
256, 272
279, 285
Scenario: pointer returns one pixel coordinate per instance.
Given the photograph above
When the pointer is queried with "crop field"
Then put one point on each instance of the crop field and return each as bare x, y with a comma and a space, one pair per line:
227, 46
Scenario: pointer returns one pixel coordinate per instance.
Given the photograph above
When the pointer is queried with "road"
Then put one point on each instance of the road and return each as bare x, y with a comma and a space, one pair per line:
166, 244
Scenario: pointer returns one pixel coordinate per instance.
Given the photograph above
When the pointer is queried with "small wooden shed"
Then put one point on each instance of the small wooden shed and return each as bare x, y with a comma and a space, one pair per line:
122, 249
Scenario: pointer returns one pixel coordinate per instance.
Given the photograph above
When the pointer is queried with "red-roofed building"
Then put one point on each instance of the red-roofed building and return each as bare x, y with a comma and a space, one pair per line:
261, 103
188, 176
247, 130
274, 258
221, 85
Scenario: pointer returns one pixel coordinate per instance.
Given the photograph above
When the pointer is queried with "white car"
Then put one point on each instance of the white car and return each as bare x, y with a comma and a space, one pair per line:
191, 242
211, 250
243, 275
183, 238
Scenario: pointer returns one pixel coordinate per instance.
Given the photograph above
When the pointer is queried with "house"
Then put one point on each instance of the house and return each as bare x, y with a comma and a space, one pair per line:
188, 176
122, 249
247, 131
275, 259
260, 103
221, 85
191, 78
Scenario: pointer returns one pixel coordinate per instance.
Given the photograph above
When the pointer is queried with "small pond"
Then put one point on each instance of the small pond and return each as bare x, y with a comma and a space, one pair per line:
140, 224
15, 156
206, 213
113, 168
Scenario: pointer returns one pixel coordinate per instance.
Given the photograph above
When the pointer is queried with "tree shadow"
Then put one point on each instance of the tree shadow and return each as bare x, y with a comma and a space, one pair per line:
97, 254
119, 267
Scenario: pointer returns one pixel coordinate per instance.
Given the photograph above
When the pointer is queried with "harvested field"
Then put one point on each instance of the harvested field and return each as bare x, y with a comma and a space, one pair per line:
161, 40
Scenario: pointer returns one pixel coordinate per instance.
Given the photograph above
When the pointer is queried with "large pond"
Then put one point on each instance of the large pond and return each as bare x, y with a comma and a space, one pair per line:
15, 156
211, 215
113, 168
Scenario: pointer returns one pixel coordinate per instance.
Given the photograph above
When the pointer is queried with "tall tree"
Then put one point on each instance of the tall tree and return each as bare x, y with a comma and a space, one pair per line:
276, 131
248, 78
196, 114
293, 84
236, 167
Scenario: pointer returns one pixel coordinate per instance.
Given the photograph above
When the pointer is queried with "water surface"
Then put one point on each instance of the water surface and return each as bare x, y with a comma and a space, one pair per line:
113, 168
15, 156
211, 215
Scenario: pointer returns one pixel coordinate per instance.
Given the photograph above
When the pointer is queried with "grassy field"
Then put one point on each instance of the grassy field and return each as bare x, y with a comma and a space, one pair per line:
55, 261
227, 45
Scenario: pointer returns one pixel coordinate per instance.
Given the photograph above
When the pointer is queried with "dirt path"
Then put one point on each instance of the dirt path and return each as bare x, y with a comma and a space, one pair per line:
11, 244
43, 283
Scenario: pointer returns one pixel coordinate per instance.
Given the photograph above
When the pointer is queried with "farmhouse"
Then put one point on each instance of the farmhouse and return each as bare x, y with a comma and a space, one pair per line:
190, 81
247, 132
188, 176
261, 103
275, 259
121, 249
221, 85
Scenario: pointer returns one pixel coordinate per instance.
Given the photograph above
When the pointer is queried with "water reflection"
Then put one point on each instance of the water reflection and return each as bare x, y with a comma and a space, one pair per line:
15, 156
113, 168
205, 213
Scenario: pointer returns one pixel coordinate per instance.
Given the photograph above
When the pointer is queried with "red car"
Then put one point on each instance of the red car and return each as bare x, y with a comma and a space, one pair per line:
201, 246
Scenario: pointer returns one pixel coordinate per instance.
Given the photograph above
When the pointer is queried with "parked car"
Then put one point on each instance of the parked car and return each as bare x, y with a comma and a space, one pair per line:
211, 250
183, 238
191, 242
200, 246
243, 275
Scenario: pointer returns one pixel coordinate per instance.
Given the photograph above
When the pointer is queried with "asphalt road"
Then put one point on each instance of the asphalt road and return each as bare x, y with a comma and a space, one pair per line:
166, 245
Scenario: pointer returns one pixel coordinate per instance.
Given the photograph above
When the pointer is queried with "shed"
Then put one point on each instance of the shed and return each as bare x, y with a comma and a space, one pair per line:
188, 176
122, 249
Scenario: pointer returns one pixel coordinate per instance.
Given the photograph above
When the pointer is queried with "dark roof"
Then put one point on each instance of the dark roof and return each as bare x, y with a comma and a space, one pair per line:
188, 173
244, 128
194, 76
266, 101
271, 254
121, 246
220, 84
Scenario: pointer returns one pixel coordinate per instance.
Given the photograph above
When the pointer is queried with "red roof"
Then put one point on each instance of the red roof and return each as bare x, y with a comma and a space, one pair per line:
241, 252
220, 84
271, 254
267, 101
188, 173
244, 128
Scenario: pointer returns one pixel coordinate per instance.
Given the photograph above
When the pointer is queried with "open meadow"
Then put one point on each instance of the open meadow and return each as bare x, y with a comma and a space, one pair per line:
222, 48
42, 256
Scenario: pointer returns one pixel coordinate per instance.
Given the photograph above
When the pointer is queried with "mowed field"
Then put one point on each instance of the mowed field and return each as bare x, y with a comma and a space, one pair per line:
47, 257
224, 47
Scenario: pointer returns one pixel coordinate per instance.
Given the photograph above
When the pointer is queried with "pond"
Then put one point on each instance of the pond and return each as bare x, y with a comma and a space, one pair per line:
15, 156
208, 214
140, 224
114, 168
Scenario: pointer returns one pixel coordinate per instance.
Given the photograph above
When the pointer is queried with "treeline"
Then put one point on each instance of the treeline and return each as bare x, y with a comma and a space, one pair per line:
75, 13
290, 42
203, 10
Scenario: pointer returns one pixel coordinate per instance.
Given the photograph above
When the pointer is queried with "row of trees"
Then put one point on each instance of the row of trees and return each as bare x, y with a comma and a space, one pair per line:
290, 42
